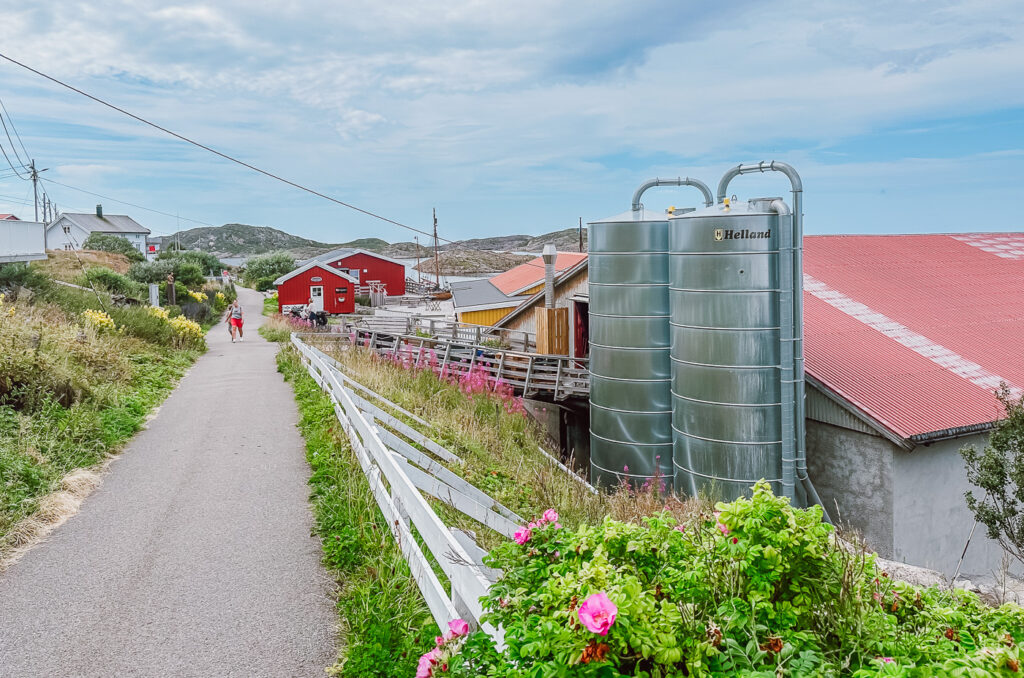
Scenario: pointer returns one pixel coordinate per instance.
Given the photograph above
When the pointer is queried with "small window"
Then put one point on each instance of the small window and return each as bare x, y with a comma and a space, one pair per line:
340, 290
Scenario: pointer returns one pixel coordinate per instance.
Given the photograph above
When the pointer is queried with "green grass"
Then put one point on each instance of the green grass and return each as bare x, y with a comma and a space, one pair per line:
40, 446
386, 625
269, 305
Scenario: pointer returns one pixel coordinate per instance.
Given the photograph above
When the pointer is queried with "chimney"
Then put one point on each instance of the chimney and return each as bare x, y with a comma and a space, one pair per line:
99, 211
549, 256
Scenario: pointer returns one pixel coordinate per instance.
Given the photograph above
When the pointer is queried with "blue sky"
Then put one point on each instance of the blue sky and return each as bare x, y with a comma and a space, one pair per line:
521, 117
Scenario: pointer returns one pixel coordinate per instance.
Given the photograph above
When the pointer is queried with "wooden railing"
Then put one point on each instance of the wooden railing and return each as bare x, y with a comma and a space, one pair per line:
436, 328
399, 474
529, 374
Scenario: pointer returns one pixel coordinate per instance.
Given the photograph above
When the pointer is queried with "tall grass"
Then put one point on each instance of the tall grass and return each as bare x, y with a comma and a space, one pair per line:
71, 392
385, 622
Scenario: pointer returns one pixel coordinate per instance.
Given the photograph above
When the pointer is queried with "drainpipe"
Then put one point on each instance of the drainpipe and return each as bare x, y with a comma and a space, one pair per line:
679, 181
797, 459
549, 256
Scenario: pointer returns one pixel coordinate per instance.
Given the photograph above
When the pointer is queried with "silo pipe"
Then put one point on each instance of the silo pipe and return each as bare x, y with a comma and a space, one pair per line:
799, 459
678, 181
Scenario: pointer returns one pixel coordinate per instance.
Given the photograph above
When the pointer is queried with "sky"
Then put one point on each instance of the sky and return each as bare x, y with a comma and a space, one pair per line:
522, 117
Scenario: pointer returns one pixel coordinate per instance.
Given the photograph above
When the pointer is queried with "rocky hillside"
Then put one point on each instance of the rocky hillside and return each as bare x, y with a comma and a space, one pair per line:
564, 241
242, 240
472, 262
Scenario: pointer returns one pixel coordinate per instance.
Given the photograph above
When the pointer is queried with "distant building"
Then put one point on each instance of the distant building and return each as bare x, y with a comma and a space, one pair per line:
366, 267
8, 217
330, 289
487, 301
70, 230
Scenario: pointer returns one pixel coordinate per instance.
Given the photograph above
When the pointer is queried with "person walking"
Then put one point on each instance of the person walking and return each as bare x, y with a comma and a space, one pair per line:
235, 320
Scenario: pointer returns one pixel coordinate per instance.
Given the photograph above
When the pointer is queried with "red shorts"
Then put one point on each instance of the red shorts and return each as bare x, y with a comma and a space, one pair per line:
237, 322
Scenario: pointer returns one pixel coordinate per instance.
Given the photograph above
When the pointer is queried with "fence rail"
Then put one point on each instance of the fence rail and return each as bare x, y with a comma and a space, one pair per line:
398, 473
528, 374
436, 328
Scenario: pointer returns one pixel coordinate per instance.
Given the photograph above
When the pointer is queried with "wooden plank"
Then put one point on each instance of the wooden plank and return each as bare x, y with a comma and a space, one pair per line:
457, 500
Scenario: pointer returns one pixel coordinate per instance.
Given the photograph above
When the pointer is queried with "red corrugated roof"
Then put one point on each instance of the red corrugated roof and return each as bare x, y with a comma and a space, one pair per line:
525, 276
916, 330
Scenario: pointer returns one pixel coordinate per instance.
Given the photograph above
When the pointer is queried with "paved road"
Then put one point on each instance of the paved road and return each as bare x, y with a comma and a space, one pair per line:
194, 557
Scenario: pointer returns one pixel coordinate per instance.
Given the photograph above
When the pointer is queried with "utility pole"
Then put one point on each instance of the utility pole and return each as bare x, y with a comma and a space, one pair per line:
35, 187
416, 238
437, 264
581, 234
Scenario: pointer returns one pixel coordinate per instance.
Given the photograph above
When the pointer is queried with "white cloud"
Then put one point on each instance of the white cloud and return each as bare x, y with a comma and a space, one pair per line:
473, 99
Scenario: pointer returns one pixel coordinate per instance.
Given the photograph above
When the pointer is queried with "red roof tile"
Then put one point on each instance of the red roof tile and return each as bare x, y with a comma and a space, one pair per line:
525, 276
916, 330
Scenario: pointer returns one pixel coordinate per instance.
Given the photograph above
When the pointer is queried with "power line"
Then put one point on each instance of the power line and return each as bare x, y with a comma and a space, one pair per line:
8, 133
124, 202
216, 152
7, 157
2, 106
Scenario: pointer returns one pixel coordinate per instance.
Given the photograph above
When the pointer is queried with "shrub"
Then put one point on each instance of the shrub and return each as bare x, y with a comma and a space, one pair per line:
98, 320
187, 333
999, 470
113, 282
207, 263
268, 266
144, 322
151, 271
189, 274
755, 588
106, 242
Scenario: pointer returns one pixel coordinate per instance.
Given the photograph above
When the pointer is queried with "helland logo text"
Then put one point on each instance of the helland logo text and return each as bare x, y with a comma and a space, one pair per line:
741, 234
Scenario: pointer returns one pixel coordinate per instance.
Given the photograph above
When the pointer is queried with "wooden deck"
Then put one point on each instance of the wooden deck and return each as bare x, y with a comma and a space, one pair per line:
457, 347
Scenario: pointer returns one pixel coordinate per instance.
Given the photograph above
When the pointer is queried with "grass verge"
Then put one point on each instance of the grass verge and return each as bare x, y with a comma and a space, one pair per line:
385, 623
41, 449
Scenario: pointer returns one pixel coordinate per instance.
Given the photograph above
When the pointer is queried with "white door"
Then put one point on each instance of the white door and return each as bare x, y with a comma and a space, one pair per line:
316, 293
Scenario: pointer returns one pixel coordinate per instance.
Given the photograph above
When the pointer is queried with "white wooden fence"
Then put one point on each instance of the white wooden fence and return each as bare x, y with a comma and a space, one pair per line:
399, 473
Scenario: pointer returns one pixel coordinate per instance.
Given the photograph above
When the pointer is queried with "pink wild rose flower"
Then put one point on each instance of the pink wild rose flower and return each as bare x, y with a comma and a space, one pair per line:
522, 535
550, 516
458, 627
597, 613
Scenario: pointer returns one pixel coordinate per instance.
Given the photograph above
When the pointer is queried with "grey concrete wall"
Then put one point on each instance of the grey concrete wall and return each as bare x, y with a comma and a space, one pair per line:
932, 522
854, 470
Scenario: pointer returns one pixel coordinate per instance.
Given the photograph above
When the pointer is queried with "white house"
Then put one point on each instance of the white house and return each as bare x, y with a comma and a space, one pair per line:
70, 230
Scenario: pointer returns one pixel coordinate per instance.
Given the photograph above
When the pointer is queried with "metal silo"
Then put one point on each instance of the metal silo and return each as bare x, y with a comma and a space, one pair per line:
630, 398
728, 280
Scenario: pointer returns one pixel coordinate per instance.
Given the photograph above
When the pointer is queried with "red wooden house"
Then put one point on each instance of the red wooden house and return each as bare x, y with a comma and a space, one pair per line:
330, 289
367, 267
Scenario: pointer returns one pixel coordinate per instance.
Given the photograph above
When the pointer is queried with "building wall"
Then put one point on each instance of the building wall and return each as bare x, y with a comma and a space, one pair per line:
932, 522
57, 239
486, 318
296, 291
563, 292
373, 268
853, 474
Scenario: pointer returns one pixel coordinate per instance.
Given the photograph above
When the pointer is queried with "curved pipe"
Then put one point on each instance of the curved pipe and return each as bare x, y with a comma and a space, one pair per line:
679, 181
773, 166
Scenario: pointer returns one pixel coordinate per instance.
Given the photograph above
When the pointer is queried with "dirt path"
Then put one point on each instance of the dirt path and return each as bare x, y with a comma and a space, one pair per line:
194, 557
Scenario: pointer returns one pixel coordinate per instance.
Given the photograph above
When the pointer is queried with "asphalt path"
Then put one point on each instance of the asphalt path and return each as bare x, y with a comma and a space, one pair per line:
194, 557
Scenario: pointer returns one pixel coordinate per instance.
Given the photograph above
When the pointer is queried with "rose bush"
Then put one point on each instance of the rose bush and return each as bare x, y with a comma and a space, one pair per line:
756, 588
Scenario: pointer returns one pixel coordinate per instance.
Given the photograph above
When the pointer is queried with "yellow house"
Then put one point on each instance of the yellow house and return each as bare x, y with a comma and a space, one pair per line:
485, 302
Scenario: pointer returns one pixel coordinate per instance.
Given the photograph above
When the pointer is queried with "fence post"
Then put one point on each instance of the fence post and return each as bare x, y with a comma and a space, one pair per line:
558, 377
529, 372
